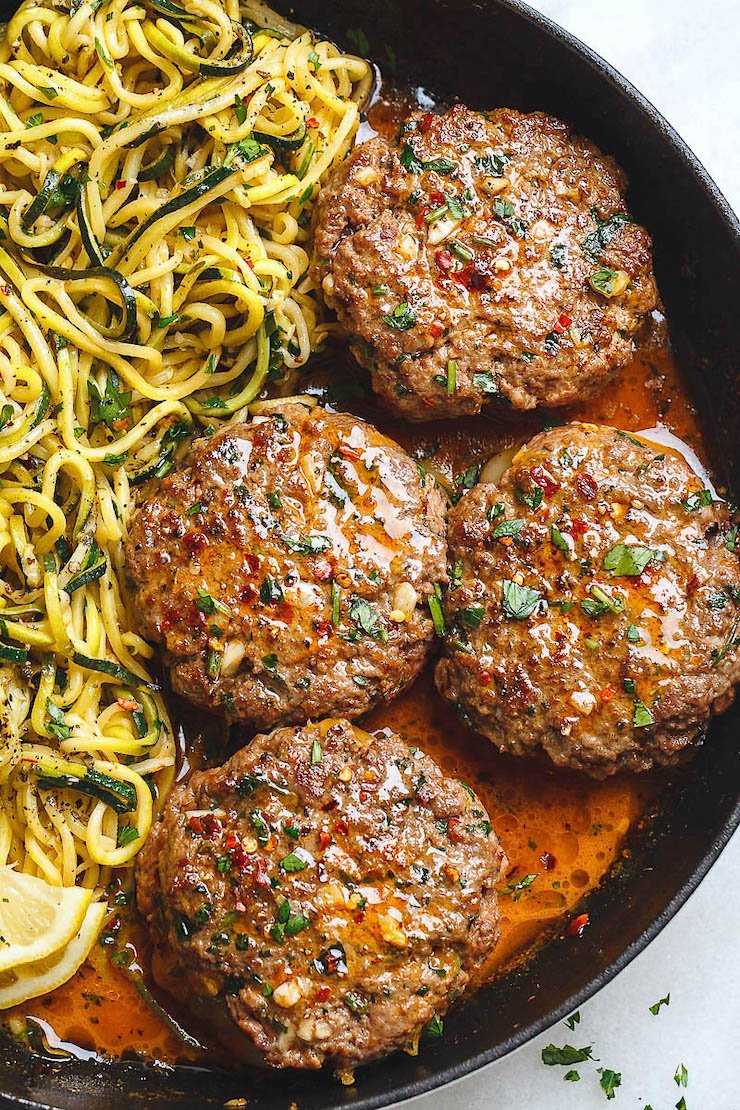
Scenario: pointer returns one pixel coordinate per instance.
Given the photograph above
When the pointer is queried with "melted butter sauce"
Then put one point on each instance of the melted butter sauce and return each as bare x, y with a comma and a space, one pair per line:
562, 827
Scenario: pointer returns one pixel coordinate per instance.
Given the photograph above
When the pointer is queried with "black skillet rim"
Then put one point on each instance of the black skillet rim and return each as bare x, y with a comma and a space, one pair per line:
438, 1080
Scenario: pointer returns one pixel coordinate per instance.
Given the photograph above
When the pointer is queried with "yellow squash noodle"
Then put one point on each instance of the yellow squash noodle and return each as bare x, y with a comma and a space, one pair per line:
158, 166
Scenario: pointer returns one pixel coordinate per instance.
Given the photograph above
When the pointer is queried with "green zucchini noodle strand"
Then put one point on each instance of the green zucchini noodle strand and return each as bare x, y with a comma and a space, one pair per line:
158, 168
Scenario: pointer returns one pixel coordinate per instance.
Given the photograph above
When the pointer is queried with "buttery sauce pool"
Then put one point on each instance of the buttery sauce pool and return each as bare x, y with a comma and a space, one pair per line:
561, 831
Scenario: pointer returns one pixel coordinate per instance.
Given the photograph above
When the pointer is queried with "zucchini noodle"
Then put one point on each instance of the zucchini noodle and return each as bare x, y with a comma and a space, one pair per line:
157, 172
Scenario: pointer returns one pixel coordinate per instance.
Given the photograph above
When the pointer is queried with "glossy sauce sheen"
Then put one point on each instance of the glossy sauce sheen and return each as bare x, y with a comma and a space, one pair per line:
562, 827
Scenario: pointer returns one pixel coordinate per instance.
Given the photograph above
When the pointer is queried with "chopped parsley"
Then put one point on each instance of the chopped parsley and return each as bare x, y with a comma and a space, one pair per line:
641, 716
609, 1081
566, 1055
519, 602
630, 559
696, 501
656, 1006
509, 528
402, 318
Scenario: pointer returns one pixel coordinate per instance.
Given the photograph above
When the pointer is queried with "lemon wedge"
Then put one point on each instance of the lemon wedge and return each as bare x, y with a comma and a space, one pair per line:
41, 976
36, 919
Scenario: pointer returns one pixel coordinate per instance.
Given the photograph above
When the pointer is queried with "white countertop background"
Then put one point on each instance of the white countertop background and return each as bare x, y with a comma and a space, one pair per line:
685, 57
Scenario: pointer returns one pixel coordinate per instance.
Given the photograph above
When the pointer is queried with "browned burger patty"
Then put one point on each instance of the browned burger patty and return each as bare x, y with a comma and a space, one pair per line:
482, 255
332, 889
594, 606
286, 566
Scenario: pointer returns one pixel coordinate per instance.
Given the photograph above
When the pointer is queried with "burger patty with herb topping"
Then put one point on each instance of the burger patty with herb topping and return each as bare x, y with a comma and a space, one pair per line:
482, 256
593, 611
287, 565
331, 889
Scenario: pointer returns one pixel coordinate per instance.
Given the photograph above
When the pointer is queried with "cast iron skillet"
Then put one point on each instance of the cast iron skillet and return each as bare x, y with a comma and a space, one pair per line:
499, 52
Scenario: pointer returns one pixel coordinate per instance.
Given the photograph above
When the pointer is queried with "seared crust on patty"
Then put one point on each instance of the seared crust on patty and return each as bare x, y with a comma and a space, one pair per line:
482, 255
286, 566
332, 889
594, 609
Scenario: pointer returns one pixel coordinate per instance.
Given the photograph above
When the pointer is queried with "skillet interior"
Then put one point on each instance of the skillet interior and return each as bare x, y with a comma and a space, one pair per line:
498, 52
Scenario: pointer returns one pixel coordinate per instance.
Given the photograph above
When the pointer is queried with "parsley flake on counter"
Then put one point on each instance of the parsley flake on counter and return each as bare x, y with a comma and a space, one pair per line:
655, 1008
573, 1020
566, 1055
681, 1078
571, 1076
609, 1081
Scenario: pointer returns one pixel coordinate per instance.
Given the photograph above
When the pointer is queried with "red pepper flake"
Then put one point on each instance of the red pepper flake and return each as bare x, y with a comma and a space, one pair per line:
325, 838
608, 693
443, 259
121, 183
322, 570
247, 593
564, 321
436, 330
586, 485
426, 121
421, 218
251, 563
324, 629
261, 877
484, 678
341, 825
127, 704
692, 583
232, 841
196, 824
578, 527
348, 452
577, 925
312, 122
544, 480
239, 858
195, 541
437, 199
211, 826
322, 994
455, 830
427, 403
548, 861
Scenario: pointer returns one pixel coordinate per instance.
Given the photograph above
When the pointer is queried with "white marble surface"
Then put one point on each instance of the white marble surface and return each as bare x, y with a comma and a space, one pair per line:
685, 58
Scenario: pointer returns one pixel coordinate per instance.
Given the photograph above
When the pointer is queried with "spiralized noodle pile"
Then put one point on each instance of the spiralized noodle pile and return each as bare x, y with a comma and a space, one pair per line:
157, 170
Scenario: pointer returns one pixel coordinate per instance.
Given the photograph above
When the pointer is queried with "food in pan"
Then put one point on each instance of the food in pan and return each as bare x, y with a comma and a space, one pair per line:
187, 509
287, 567
331, 890
594, 604
482, 256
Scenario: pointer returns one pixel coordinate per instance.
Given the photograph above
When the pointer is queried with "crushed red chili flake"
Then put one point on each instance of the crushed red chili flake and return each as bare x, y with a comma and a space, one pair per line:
577, 925
578, 527
211, 826
455, 830
692, 583
195, 824
195, 541
443, 259
548, 861
426, 121
127, 704
261, 877
341, 825
239, 858
322, 570
436, 330
484, 678
312, 122
420, 219
437, 199
544, 480
121, 184
325, 838
607, 693
324, 629
564, 321
322, 994
586, 485
232, 841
